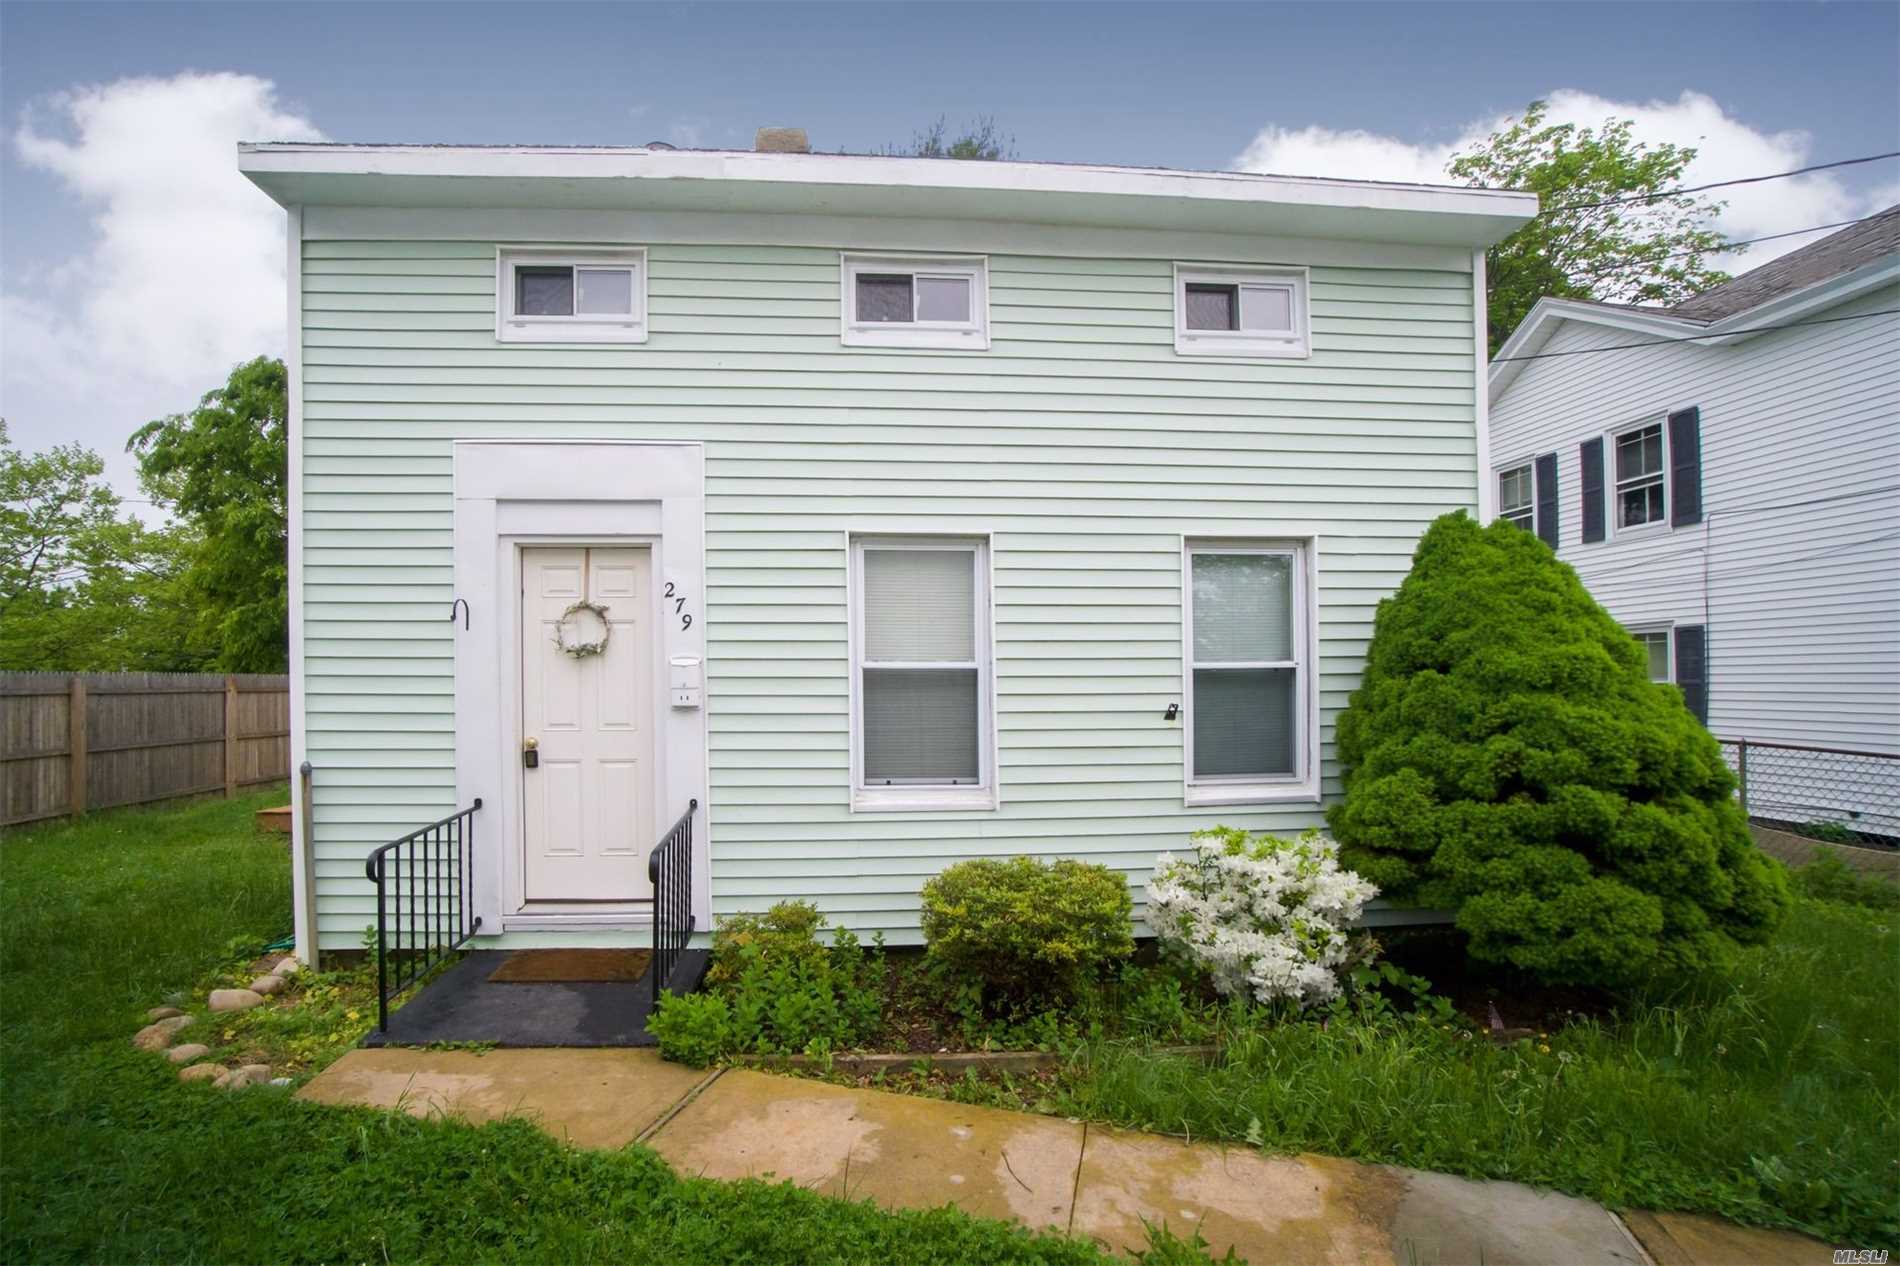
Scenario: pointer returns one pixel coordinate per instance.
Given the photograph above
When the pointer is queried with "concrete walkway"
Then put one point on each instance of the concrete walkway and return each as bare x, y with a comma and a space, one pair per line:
908, 1151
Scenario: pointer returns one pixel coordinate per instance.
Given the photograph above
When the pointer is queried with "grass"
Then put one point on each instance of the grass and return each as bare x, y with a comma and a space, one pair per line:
105, 1156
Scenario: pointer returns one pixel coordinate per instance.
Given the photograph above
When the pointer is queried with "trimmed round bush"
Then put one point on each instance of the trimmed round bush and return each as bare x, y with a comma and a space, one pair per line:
1507, 757
1021, 927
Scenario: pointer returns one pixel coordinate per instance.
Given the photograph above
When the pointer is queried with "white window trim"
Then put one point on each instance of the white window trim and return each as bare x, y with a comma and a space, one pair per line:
583, 328
1612, 490
1497, 483
1252, 345
1668, 629
1301, 786
983, 794
972, 335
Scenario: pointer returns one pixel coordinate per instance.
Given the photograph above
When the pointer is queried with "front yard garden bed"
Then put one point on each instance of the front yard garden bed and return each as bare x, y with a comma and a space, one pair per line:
1753, 1093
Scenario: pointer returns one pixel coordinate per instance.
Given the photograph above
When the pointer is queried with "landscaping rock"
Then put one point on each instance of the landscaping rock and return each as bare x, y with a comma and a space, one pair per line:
188, 1052
235, 999
161, 1013
267, 984
201, 1072
258, 1073
288, 967
234, 1079
158, 1035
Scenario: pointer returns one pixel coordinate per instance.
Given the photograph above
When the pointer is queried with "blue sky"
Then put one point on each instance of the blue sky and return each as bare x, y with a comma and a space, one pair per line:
99, 179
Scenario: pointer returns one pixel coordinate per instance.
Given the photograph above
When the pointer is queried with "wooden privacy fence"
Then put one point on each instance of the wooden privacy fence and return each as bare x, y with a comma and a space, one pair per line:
70, 742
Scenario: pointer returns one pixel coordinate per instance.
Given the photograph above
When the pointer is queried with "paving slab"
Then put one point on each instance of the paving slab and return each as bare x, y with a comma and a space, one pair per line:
589, 1097
1318, 1209
899, 1150
1445, 1219
1268, 1209
1692, 1239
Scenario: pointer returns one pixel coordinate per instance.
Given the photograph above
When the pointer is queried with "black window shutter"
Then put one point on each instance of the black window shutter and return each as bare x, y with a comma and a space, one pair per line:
1685, 467
1591, 455
1692, 668
1547, 499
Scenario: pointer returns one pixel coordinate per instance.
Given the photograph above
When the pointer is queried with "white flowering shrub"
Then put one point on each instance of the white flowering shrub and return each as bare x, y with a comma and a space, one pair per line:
1263, 915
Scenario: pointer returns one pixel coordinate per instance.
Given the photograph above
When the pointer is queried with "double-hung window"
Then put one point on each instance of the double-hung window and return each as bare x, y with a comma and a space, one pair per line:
1640, 495
1515, 488
1240, 311
1249, 637
910, 301
570, 296
1655, 644
921, 673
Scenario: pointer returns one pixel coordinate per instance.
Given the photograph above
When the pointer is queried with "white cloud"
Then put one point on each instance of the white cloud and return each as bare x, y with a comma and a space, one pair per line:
1726, 148
183, 276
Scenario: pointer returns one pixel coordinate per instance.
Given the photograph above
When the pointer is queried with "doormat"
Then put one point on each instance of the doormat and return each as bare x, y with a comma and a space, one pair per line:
571, 966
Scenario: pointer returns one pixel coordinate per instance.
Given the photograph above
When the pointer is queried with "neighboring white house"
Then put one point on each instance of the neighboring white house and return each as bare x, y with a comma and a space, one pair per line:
1733, 498
937, 509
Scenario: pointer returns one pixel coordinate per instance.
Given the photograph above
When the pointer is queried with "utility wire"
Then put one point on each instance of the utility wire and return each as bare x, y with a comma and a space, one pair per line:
1693, 338
1717, 184
1726, 246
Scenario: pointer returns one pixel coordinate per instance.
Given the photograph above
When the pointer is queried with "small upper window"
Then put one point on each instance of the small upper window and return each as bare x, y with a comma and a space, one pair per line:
1240, 312
578, 297
1514, 496
909, 302
1640, 497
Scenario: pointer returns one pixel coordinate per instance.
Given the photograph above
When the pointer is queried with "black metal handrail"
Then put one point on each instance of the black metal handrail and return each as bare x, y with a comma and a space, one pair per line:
425, 894
670, 868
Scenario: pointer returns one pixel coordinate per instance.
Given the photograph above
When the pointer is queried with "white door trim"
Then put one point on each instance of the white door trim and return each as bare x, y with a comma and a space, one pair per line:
512, 493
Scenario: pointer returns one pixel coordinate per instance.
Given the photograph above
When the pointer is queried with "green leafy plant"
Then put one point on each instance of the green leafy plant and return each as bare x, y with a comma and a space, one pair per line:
1507, 757
1830, 832
1828, 878
782, 992
693, 1028
788, 932
1023, 927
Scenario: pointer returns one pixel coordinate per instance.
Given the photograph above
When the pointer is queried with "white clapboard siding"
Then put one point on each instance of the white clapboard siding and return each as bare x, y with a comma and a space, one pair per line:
1080, 440
1795, 569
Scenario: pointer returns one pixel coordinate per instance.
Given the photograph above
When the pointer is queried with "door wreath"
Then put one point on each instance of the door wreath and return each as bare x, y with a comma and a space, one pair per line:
583, 630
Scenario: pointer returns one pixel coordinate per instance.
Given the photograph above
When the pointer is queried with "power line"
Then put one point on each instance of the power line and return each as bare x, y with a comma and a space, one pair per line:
1728, 246
1713, 515
1694, 338
1717, 184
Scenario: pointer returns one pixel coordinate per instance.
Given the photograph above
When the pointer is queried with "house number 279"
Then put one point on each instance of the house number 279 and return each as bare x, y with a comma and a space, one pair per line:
679, 606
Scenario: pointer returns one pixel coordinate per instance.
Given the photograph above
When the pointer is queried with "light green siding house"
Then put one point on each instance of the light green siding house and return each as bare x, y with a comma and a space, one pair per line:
936, 510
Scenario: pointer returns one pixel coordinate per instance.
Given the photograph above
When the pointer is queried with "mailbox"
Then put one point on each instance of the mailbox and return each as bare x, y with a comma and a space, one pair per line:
683, 680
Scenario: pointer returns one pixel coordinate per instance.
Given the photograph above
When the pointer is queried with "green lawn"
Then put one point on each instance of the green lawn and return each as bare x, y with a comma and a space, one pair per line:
105, 1157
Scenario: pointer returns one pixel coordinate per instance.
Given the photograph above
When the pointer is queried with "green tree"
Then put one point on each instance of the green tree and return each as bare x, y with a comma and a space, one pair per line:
82, 589
1507, 757
223, 470
51, 505
1647, 251
980, 140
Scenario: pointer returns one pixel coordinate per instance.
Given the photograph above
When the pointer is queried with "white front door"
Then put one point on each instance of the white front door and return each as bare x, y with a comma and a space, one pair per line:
588, 801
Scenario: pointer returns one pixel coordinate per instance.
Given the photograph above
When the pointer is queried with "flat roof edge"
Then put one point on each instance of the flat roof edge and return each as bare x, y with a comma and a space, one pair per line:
267, 158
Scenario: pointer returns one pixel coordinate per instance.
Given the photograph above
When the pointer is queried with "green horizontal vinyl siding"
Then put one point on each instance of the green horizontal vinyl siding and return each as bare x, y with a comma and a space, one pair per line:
1080, 440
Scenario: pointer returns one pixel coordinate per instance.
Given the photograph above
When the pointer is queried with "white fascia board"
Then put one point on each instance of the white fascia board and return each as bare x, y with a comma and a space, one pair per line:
1534, 332
1808, 300
403, 175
